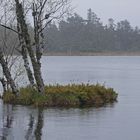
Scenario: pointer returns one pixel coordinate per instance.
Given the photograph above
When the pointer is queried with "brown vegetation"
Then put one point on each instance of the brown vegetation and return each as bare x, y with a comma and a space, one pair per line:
64, 96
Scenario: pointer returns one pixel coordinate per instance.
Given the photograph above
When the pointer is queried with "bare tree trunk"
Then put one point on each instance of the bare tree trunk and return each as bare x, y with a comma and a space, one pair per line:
37, 27
27, 67
7, 73
3, 82
24, 54
24, 30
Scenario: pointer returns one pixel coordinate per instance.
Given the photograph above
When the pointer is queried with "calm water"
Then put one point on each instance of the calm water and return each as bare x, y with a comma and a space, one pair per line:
120, 121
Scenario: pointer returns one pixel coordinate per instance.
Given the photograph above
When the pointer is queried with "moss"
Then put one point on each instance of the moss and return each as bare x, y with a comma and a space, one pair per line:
64, 96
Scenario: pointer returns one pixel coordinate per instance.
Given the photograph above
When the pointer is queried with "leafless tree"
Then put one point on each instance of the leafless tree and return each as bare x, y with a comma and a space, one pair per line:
42, 12
7, 78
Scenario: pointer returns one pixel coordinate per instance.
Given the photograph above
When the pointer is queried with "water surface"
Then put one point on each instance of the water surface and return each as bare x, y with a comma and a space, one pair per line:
119, 121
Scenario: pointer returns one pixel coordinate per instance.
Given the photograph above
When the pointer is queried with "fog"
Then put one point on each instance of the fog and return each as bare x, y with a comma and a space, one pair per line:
116, 9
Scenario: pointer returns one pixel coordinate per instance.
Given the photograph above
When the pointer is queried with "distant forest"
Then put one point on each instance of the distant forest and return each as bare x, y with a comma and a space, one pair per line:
76, 34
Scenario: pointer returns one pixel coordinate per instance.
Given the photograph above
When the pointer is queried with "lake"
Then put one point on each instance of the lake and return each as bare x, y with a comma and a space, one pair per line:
119, 121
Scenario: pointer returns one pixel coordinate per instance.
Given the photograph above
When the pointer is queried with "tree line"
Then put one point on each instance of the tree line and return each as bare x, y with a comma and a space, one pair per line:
76, 34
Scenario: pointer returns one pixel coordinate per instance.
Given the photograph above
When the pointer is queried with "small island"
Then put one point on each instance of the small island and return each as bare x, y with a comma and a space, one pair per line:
73, 95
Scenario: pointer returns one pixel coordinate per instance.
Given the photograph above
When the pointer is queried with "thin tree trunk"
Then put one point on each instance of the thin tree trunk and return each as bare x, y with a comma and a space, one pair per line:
3, 82
25, 58
7, 73
24, 30
27, 67
37, 26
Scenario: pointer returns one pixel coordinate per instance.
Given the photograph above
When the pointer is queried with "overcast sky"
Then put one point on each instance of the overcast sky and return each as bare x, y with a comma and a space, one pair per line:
116, 9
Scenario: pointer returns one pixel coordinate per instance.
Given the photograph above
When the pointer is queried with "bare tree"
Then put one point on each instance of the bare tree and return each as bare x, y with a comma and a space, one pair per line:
43, 12
7, 73
10, 48
7, 78
39, 17
22, 25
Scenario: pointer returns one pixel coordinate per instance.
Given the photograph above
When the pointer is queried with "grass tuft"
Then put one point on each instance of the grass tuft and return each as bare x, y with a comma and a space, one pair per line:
64, 96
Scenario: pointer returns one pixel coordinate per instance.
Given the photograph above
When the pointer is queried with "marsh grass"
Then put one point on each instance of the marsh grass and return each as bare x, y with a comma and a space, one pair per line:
64, 96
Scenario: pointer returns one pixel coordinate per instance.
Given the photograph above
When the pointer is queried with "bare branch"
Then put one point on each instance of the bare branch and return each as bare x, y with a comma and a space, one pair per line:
8, 28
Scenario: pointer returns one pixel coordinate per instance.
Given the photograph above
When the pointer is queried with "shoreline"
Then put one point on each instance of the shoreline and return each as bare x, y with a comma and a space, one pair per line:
93, 54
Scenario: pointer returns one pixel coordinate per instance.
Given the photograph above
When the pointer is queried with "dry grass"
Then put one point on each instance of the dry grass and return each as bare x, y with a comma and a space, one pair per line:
64, 96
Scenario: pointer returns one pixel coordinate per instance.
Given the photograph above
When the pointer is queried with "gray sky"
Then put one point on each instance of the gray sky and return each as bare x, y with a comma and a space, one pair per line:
116, 9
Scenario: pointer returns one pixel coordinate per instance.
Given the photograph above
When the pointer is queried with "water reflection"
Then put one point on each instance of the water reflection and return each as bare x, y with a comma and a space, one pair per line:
9, 121
29, 135
35, 126
28, 123
39, 125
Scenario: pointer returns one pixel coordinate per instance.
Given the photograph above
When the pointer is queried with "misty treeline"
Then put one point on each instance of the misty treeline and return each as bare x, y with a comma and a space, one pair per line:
76, 34
16, 17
